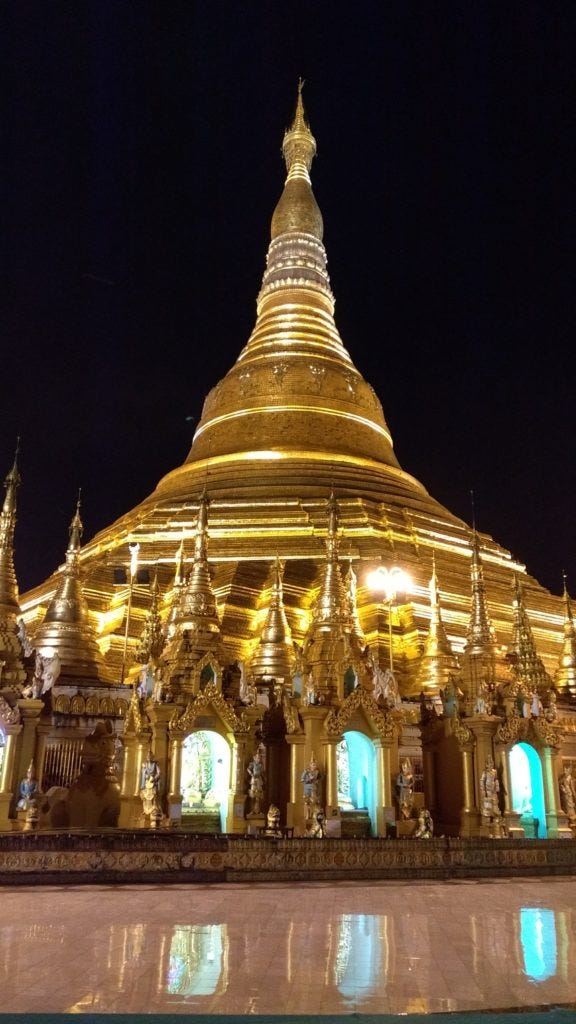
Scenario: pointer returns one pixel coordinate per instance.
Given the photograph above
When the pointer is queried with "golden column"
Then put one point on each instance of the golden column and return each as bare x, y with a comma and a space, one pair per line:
294, 810
175, 795
11, 731
385, 810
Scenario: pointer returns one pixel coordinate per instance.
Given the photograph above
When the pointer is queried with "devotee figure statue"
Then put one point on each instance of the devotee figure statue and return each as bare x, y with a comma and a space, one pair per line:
150, 790
489, 791
405, 788
257, 779
312, 790
273, 822
568, 794
29, 789
425, 828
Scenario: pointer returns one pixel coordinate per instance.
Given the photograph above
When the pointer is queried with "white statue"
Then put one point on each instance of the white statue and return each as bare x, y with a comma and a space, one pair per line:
385, 687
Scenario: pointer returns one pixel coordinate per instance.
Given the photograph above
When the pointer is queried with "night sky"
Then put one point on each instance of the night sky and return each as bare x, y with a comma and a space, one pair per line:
140, 168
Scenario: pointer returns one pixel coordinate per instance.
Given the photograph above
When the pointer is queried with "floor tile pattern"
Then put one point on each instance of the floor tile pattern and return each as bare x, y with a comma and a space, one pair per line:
325, 948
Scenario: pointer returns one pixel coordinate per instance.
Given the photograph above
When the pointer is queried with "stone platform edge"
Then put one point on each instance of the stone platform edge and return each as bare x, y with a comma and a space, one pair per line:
76, 857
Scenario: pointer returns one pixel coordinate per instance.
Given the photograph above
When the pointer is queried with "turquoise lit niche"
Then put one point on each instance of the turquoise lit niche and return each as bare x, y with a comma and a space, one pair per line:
356, 760
527, 785
538, 938
205, 778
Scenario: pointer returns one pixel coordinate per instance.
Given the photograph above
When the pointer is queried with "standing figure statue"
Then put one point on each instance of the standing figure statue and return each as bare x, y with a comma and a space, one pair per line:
150, 790
405, 788
489, 790
312, 791
568, 794
257, 778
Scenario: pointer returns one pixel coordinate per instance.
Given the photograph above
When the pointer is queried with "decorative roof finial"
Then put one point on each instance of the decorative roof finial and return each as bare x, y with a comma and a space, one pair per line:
297, 210
565, 678
8, 584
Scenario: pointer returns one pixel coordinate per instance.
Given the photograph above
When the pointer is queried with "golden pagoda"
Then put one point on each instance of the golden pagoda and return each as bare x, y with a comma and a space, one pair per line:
295, 453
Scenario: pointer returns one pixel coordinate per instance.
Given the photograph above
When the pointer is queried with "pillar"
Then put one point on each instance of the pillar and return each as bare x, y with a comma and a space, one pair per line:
511, 817
160, 715
385, 809
29, 714
470, 815
295, 808
332, 808
130, 806
174, 798
236, 820
556, 822
11, 733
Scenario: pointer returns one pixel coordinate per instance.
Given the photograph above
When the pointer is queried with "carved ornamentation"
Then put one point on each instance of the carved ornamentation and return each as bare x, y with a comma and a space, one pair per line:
387, 724
291, 717
136, 720
549, 734
8, 715
511, 729
209, 698
464, 736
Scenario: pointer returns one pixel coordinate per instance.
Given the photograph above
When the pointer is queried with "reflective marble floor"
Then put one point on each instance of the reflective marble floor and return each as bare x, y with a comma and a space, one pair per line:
380, 947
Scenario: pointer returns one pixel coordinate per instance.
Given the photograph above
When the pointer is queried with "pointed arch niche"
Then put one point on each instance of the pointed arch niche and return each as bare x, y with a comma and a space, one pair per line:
205, 776
356, 774
528, 789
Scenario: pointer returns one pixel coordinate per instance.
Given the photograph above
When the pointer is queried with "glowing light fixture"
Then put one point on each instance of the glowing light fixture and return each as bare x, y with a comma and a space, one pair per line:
387, 584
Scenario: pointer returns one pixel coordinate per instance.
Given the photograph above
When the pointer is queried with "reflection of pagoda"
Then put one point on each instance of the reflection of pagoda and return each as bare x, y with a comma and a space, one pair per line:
291, 473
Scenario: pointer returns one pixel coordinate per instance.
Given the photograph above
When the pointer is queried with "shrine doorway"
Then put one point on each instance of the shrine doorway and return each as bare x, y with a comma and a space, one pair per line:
355, 772
528, 790
205, 781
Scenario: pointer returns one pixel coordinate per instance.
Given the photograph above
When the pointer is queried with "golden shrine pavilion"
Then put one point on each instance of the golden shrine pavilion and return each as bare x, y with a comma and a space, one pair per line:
290, 633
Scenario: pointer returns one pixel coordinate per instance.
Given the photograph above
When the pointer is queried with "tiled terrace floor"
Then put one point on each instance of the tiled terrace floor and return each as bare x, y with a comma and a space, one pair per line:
383, 947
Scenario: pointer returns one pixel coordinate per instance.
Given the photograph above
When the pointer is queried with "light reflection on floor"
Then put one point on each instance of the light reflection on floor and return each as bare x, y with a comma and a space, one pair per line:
382, 947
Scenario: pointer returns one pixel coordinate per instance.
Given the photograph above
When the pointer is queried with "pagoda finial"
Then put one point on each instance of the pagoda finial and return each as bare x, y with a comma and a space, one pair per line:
438, 663
152, 639
297, 210
275, 656
8, 584
76, 528
528, 667
565, 678
66, 629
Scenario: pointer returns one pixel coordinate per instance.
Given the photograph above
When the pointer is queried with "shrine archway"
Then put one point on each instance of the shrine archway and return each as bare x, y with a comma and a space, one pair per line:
355, 772
205, 777
528, 789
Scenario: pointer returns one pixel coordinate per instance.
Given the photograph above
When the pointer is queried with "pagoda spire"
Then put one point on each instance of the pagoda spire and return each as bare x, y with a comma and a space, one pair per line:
351, 585
479, 656
152, 640
294, 385
8, 584
328, 649
438, 661
565, 678
66, 629
12, 671
196, 623
275, 656
527, 665
297, 209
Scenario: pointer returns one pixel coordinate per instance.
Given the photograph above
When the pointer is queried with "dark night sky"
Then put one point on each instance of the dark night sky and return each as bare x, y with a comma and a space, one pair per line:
140, 167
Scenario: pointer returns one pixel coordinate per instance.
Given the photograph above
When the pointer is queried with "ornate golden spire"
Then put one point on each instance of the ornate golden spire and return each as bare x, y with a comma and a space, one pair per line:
294, 386
479, 656
480, 637
177, 591
12, 672
329, 649
275, 656
152, 640
527, 666
8, 585
351, 585
565, 678
66, 629
297, 209
438, 661
197, 626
